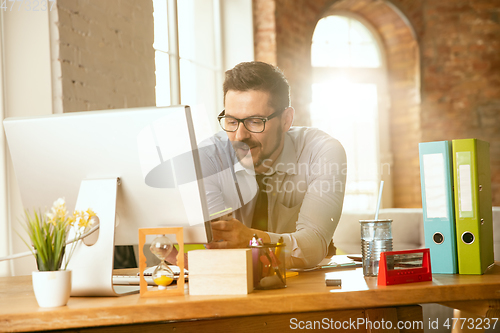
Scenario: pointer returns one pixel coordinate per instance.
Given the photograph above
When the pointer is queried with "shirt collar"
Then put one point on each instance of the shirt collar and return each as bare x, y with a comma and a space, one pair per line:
287, 161
238, 167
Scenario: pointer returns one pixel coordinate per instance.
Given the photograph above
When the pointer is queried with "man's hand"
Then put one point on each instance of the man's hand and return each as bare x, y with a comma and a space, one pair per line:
232, 234
172, 258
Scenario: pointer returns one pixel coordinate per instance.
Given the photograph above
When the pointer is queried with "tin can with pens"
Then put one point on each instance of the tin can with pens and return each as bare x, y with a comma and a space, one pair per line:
268, 265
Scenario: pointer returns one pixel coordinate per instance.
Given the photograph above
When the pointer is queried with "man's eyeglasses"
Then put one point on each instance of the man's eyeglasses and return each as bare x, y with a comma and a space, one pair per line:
252, 124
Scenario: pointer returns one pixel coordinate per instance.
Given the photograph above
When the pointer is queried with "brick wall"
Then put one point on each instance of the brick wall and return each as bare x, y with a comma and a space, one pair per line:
461, 75
106, 54
264, 31
282, 36
443, 69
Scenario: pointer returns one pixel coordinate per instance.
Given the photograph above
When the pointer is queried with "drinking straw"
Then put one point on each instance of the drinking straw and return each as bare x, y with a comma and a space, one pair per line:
379, 199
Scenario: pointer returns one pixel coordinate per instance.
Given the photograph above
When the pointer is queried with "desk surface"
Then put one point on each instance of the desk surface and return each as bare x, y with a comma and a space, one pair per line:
306, 292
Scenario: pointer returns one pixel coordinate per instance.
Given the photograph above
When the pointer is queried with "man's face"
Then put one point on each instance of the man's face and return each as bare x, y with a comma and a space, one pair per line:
254, 148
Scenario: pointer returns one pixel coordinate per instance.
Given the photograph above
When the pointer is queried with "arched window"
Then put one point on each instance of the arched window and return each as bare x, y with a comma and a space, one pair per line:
349, 101
344, 42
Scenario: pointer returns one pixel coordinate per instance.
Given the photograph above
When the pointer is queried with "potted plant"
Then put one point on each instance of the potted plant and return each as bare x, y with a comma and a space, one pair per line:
48, 233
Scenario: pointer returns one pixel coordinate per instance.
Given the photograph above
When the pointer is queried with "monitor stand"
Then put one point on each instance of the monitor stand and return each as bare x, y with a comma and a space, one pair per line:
92, 265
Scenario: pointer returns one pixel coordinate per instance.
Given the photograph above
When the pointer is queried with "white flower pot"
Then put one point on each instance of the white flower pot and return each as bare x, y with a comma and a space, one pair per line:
52, 288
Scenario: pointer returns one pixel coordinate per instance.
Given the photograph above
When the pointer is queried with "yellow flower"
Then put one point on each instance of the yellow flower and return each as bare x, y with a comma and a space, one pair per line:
59, 203
51, 219
91, 213
82, 223
85, 219
58, 212
70, 221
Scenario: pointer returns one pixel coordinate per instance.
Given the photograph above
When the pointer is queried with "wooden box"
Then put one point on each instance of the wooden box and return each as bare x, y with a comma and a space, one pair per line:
220, 272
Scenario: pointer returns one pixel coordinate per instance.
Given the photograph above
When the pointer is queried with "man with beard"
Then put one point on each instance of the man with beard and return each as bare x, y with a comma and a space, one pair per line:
300, 171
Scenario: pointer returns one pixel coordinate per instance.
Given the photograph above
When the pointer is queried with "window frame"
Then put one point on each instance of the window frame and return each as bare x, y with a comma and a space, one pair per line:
175, 71
5, 231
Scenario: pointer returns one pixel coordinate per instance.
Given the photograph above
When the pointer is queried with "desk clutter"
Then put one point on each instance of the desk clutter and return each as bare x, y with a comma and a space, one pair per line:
268, 265
262, 266
457, 205
237, 271
211, 272
398, 267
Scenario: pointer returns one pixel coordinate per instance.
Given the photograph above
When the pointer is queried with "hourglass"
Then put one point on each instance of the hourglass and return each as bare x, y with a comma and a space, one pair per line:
161, 248
178, 289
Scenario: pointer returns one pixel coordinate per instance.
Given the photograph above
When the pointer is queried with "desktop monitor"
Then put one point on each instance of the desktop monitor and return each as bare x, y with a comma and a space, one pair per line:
136, 168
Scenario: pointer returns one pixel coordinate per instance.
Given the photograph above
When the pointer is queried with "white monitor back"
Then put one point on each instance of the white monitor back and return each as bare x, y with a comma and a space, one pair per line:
53, 154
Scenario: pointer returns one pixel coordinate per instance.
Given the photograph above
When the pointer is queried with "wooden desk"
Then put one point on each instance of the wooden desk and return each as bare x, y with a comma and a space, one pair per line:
306, 298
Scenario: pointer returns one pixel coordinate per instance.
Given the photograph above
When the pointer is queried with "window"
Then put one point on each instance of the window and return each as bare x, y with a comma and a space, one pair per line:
340, 41
188, 58
349, 103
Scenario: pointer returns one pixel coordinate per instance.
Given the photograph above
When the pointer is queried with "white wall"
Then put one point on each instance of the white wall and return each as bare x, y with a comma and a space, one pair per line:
27, 92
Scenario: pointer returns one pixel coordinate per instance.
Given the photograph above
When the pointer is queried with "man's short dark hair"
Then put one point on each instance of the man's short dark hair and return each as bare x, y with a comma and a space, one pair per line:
257, 75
